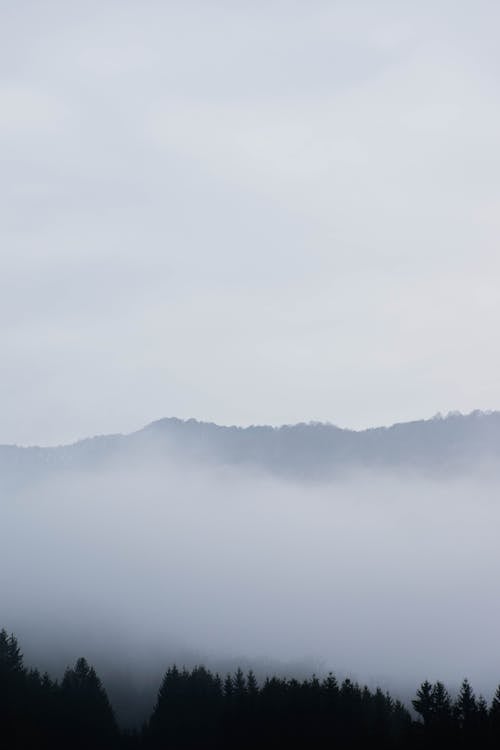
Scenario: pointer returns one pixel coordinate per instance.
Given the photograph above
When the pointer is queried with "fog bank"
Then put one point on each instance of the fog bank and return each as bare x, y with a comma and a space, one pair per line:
384, 579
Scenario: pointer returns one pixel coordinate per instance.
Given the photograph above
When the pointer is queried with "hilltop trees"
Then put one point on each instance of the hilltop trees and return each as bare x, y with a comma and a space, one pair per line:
12, 683
196, 709
36, 712
86, 713
188, 710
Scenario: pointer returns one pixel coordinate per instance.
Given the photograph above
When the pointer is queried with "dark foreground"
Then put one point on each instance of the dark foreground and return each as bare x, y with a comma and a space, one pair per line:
198, 709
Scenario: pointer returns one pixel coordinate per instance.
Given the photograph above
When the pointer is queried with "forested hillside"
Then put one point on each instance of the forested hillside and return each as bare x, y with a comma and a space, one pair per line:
197, 709
441, 446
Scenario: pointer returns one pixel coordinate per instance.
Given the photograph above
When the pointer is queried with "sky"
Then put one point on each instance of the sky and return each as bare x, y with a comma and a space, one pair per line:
246, 212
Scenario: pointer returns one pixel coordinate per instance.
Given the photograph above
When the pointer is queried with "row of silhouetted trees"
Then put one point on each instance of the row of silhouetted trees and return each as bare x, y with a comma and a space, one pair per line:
198, 709
36, 711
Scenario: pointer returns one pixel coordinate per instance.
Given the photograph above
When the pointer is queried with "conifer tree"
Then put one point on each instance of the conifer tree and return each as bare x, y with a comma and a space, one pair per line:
12, 692
88, 716
424, 703
494, 716
239, 684
252, 686
466, 707
11, 658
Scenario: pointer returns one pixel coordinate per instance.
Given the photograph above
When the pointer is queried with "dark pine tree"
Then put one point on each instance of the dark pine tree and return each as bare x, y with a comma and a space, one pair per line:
14, 731
466, 713
88, 721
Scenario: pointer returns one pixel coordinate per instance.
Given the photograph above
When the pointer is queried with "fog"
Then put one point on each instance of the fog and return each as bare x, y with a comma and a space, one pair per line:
387, 579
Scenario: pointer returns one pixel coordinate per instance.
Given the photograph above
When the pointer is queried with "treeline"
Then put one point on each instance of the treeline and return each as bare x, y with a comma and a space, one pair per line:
198, 709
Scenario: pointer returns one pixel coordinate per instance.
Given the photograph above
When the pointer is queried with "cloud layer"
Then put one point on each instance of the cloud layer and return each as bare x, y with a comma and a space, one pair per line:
386, 581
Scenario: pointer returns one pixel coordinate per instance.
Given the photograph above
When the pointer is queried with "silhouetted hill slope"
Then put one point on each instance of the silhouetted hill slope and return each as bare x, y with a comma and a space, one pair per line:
441, 445
317, 450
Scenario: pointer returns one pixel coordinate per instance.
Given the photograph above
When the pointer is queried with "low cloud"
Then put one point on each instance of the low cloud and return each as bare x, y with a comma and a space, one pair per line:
388, 580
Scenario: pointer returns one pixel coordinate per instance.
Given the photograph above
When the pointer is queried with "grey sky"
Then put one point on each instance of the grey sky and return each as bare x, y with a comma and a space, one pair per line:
246, 212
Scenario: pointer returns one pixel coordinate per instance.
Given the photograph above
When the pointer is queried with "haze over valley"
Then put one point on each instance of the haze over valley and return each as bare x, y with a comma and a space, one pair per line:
247, 250
300, 548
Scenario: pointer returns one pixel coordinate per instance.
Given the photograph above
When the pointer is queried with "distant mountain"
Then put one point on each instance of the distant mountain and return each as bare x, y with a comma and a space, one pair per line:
453, 444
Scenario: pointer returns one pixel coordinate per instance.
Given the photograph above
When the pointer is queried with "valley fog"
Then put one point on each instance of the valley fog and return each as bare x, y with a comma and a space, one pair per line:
390, 579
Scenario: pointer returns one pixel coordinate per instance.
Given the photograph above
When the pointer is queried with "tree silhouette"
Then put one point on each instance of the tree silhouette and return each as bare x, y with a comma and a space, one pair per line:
12, 683
466, 708
434, 704
195, 709
87, 714
424, 703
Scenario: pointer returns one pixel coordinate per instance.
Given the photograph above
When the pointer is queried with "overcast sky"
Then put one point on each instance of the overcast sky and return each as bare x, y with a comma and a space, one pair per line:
247, 212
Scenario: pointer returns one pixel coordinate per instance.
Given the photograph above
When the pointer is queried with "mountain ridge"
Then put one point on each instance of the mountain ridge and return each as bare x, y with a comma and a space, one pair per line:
163, 421
440, 445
